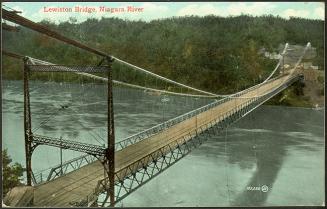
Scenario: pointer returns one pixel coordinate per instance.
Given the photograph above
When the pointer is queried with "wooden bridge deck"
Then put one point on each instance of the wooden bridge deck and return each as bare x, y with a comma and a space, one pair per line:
76, 185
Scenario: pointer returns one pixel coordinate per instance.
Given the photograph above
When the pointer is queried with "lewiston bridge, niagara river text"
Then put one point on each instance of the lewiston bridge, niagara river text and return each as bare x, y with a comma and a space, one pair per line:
87, 9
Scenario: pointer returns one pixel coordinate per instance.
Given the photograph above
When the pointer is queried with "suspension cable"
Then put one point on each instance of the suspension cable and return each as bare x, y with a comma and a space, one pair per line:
35, 61
278, 64
163, 78
13, 17
226, 167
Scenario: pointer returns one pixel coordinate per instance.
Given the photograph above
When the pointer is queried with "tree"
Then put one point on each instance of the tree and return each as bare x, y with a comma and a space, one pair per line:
11, 173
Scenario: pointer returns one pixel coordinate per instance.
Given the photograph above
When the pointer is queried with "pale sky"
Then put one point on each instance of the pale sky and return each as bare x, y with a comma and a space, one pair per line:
156, 10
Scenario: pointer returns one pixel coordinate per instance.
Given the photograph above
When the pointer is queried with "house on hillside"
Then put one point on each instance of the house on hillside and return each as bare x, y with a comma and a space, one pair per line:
273, 55
308, 65
269, 55
314, 67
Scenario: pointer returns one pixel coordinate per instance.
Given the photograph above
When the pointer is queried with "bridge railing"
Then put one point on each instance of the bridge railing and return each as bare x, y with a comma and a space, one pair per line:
62, 169
165, 125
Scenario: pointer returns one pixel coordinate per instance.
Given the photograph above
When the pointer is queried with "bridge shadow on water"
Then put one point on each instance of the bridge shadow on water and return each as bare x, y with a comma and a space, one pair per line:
261, 142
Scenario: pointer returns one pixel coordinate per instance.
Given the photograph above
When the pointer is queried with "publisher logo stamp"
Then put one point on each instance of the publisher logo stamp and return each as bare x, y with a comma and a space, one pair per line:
263, 188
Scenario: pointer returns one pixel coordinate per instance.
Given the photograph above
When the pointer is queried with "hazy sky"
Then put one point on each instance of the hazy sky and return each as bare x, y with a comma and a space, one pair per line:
152, 10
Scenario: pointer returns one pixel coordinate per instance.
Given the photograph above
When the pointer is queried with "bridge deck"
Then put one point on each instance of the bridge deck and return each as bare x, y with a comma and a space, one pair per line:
76, 185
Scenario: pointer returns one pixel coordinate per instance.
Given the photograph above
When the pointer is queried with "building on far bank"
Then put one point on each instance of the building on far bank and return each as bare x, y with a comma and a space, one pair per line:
308, 65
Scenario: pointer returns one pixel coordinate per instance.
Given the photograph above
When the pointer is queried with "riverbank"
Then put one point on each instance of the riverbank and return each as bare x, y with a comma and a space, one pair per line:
307, 93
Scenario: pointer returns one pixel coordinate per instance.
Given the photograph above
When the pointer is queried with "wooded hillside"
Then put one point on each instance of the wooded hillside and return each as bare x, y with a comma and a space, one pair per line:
212, 53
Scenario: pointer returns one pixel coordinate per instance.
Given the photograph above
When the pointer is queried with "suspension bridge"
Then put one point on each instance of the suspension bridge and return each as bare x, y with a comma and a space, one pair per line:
120, 167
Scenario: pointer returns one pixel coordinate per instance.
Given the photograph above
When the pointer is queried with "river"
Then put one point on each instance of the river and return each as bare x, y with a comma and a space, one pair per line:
273, 156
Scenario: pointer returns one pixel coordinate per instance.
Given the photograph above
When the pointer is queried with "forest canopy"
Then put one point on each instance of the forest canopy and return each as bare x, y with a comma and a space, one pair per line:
217, 54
